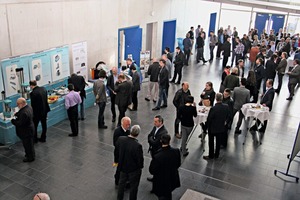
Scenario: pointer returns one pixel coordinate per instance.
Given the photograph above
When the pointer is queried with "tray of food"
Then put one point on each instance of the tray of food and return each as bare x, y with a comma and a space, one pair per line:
52, 99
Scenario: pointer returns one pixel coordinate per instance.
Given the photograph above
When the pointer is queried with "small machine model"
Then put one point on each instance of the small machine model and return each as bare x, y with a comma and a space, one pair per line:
24, 87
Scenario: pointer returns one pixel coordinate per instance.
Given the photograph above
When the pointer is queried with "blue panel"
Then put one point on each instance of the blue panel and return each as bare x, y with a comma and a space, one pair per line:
133, 43
169, 33
260, 22
278, 22
212, 22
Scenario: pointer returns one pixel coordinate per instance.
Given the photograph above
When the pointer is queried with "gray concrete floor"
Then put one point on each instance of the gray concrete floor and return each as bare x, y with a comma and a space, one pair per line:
81, 168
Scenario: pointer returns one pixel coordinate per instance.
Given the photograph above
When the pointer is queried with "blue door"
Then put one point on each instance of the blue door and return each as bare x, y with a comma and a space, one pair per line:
278, 22
212, 23
133, 43
169, 34
260, 22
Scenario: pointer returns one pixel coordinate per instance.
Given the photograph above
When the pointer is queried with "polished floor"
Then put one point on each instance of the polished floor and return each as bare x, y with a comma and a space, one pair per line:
81, 168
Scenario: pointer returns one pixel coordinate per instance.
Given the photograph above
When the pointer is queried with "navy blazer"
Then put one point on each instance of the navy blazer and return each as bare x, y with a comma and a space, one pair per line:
268, 97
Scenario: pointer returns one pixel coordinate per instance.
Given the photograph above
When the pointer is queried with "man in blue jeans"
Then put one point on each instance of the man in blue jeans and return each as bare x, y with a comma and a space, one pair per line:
163, 82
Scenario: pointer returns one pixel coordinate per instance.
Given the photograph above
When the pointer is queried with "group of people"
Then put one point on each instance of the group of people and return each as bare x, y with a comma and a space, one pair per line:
129, 159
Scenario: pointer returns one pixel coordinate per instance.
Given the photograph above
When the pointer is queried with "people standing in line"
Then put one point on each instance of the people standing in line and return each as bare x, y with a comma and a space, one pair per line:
294, 78
221, 40
213, 40
281, 70
266, 101
207, 99
228, 101
241, 96
23, 121
163, 82
187, 46
122, 130
136, 87
186, 114
130, 162
179, 100
40, 107
259, 76
231, 81
178, 65
72, 100
123, 88
168, 64
200, 48
217, 122
164, 167
111, 81
79, 86
99, 90
226, 51
153, 72
155, 135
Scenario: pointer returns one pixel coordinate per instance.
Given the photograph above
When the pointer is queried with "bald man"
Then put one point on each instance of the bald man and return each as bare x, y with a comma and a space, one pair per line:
41, 196
111, 81
25, 128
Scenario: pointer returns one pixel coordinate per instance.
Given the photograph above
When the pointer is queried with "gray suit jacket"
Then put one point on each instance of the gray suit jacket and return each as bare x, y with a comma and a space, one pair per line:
99, 89
294, 76
241, 95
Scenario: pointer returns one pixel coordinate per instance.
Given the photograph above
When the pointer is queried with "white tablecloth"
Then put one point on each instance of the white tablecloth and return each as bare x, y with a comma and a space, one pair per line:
261, 113
201, 116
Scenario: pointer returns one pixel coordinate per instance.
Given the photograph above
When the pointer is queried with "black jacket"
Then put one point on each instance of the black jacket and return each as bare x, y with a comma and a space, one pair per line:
153, 71
164, 78
218, 118
226, 49
154, 140
270, 69
180, 98
119, 131
200, 42
110, 84
179, 60
164, 167
24, 122
131, 156
124, 93
268, 97
135, 81
79, 84
39, 102
259, 72
208, 94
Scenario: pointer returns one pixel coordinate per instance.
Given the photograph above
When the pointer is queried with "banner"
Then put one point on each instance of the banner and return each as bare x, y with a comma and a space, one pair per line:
10, 78
39, 68
79, 54
60, 66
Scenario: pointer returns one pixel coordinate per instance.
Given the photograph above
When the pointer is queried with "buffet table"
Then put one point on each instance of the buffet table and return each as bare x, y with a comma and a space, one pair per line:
57, 114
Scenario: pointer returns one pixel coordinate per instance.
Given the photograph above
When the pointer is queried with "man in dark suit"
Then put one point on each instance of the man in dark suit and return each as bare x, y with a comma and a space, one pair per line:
122, 130
163, 82
259, 75
178, 65
79, 86
123, 88
130, 162
25, 128
40, 107
164, 167
294, 78
266, 101
217, 122
281, 70
226, 51
136, 87
155, 135
111, 81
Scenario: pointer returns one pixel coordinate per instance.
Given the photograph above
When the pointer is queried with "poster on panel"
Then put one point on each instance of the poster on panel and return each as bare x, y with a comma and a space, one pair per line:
79, 54
60, 67
296, 147
10, 78
39, 68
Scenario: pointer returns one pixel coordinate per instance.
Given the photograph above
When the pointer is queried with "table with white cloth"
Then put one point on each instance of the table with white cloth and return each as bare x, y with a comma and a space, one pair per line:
202, 114
253, 111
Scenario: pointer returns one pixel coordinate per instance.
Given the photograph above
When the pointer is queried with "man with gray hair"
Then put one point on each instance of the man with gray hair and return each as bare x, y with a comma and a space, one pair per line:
41, 196
130, 162
217, 122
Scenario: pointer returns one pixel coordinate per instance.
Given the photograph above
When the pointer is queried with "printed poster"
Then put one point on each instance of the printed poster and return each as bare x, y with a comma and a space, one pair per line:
79, 51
